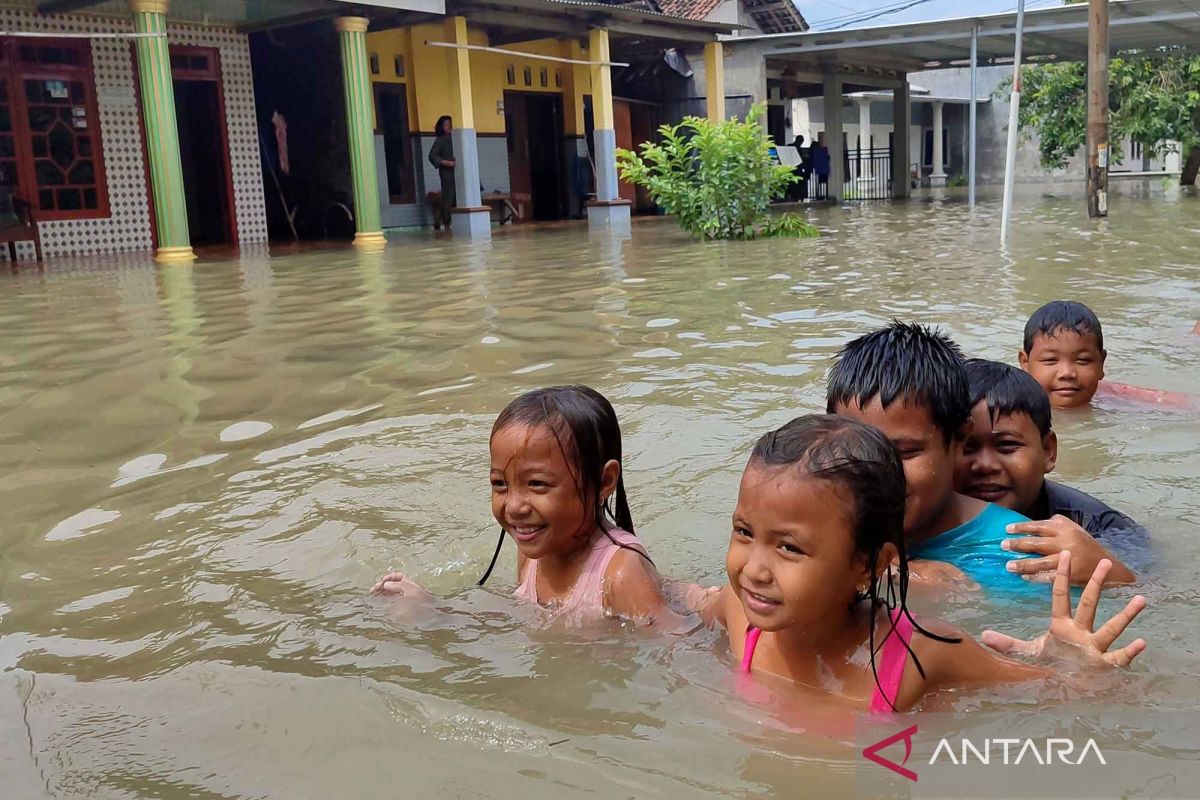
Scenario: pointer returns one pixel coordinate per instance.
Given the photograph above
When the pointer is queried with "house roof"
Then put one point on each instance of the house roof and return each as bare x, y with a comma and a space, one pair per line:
776, 16
771, 16
689, 9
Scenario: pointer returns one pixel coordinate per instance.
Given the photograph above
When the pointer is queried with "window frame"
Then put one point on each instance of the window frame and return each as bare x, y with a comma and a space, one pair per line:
14, 72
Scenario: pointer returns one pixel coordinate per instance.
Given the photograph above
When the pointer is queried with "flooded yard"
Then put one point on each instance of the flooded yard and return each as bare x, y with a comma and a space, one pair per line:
202, 470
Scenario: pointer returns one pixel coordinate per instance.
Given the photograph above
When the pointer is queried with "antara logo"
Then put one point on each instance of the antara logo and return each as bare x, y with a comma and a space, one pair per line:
1008, 752
906, 735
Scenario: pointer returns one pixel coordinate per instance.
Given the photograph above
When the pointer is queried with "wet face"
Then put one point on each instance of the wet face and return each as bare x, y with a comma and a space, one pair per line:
928, 460
1004, 461
535, 494
791, 556
1068, 365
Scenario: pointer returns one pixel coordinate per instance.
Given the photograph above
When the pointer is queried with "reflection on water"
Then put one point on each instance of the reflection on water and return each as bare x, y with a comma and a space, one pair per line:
203, 468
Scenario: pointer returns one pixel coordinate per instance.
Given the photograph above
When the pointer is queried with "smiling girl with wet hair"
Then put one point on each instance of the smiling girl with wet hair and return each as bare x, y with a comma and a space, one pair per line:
559, 493
818, 579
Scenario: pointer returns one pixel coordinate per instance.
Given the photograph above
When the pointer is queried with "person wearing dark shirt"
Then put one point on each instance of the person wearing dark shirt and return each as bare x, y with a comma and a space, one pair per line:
819, 161
799, 189
441, 155
1004, 460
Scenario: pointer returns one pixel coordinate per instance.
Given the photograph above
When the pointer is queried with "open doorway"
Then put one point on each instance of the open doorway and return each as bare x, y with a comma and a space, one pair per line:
203, 146
534, 126
391, 120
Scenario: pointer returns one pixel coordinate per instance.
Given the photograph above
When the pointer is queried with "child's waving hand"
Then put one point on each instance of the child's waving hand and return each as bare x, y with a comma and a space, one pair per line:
1077, 630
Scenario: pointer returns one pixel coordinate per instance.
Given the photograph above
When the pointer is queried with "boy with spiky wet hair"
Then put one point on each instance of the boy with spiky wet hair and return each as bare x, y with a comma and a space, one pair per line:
910, 381
1005, 459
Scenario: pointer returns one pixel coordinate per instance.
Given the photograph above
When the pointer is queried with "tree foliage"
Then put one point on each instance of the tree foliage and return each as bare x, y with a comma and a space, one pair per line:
1154, 97
717, 178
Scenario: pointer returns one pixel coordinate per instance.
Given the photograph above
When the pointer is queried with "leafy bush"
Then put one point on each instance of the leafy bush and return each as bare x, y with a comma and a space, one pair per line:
717, 178
789, 224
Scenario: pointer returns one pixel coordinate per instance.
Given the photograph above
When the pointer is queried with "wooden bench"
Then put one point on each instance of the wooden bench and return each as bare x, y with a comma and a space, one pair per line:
510, 208
17, 223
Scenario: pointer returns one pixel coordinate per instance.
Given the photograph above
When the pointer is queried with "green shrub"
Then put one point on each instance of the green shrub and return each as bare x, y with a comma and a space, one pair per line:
789, 224
717, 178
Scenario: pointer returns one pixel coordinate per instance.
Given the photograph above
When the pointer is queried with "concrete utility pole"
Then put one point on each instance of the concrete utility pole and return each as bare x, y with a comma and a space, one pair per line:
1014, 110
1097, 119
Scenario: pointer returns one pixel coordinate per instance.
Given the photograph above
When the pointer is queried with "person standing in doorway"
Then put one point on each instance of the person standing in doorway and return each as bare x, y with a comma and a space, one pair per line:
800, 187
819, 159
441, 155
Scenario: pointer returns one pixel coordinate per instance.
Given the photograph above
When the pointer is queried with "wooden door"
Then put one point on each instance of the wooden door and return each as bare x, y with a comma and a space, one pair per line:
516, 128
623, 124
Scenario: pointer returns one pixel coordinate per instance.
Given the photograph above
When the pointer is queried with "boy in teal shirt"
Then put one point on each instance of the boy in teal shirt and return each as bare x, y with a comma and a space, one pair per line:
911, 382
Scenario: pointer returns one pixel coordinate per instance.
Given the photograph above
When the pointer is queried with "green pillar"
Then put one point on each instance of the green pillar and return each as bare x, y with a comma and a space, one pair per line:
360, 124
162, 135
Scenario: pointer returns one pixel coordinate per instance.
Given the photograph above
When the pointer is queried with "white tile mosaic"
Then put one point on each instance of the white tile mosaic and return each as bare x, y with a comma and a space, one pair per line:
127, 228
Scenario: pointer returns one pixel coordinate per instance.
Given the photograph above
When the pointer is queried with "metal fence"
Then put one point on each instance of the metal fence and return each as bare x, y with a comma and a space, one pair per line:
868, 172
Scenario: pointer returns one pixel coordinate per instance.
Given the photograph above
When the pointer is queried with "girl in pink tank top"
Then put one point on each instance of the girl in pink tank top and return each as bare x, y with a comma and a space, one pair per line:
818, 579
558, 493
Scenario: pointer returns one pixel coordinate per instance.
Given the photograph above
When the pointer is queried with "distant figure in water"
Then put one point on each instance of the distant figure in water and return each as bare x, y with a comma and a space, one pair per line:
559, 493
1064, 352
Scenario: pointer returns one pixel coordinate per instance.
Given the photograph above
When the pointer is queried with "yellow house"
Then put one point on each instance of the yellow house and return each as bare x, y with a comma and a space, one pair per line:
529, 118
531, 97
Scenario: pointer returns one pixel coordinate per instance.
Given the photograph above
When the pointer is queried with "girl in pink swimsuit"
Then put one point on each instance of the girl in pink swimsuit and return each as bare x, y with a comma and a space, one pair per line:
558, 492
818, 580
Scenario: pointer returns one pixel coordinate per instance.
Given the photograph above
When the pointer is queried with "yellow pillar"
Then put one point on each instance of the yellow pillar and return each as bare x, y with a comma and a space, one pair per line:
461, 107
580, 82
471, 217
714, 74
608, 210
602, 106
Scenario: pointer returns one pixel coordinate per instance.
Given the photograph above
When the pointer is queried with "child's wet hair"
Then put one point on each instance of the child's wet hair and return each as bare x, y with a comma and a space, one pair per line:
1008, 390
864, 466
585, 426
1060, 315
908, 362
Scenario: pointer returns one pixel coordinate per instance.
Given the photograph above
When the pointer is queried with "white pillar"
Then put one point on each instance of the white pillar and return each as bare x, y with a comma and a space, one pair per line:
864, 138
972, 137
938, 178
902, 119
833, 134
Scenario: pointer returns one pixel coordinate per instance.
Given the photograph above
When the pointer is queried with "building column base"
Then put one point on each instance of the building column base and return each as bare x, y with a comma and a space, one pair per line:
374, 240
474, 223
937, 181
174, 255
609, 215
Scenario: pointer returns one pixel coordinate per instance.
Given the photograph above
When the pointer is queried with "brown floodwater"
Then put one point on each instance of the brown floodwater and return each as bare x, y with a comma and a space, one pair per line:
202, 468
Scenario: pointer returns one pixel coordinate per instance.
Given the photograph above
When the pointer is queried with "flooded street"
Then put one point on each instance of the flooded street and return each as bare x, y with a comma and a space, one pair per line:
203, 469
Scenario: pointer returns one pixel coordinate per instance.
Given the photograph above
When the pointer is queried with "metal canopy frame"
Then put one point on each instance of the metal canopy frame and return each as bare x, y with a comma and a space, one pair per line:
1051, 34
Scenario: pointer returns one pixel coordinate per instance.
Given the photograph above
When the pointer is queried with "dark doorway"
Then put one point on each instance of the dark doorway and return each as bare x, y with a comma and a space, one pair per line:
391, 112
203, 145
534, 127
777, 125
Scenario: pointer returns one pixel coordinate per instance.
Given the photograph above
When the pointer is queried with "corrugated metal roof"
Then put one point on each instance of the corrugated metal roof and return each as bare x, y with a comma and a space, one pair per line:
1051, 34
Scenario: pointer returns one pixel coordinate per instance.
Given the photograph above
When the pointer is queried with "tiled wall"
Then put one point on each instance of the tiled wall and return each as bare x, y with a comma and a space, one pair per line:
127, 228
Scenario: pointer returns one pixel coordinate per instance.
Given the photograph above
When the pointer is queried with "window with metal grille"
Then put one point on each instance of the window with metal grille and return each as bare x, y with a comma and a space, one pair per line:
49, 132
